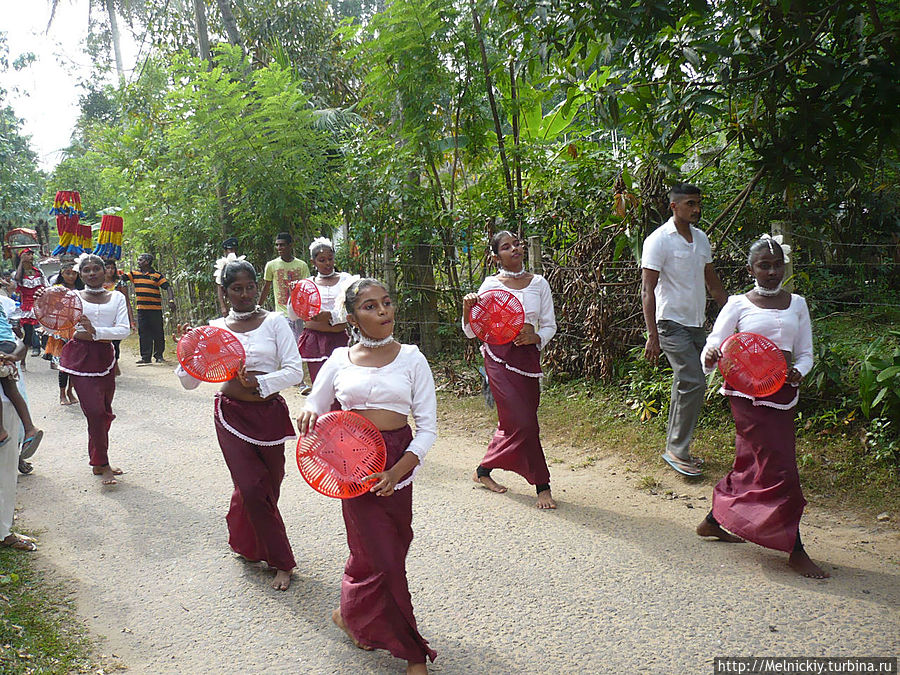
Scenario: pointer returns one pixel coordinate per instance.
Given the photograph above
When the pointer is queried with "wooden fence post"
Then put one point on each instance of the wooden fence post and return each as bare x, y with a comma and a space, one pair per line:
785, 229
534, 255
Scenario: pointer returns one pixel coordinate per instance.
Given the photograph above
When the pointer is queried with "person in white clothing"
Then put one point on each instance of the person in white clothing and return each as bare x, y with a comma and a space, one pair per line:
253, 423
324, 332
90, 360
676, 270
9, 457
385, 382
514, 372
760, 499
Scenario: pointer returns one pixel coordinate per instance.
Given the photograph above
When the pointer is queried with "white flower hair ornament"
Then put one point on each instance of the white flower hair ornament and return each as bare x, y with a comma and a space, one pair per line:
319, 242
339, 313
220, 265
778, 239
79, 260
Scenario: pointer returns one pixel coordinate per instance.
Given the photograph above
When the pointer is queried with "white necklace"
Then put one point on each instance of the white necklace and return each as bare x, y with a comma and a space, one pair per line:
374, 344
326, 276
243, 316
503, 272
94, 291
767, 292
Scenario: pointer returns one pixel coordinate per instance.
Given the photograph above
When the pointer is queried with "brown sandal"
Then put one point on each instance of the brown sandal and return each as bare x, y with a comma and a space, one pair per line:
19, 542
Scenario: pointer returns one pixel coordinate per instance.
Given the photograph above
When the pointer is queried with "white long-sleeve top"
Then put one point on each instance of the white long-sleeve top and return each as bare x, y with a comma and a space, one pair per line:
329, 296
110, 320
788, 328
404, 386
270, 349
537, 301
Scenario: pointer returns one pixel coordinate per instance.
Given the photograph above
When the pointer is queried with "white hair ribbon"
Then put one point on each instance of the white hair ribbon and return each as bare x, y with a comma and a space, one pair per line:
785, 248
80, 259
220, 265
320, 241
339, 313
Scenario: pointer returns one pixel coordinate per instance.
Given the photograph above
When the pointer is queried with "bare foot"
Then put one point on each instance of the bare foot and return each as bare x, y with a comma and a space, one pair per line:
707, 529
72, 397
416, 668
545, 500
108, 472
282, 580
489, 483
109, 478
339, 622
801, 563
63, 400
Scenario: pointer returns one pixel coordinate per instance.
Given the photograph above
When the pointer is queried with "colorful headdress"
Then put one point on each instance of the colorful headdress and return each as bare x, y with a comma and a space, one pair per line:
74, 237
339, 313
109, 241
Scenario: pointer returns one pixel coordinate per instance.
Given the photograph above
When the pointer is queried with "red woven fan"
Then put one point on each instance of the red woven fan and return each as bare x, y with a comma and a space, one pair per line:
497, 317
752, 364
58, 308
210, 354
305, 299
343, 449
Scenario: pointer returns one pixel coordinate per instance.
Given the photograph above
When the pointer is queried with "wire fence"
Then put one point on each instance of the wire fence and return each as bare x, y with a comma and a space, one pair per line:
595, 299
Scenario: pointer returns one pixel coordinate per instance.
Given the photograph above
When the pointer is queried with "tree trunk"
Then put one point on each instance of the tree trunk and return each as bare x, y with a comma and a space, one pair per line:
202, 30
114, 34
489, 84
230, 24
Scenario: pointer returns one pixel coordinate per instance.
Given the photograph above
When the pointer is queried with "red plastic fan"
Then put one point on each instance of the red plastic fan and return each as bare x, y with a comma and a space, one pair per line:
343, 449
497, 317
58, 308
305, 299
752, 364
210, 354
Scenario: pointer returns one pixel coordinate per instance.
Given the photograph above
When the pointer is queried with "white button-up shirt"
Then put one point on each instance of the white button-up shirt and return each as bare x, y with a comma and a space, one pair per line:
681, 290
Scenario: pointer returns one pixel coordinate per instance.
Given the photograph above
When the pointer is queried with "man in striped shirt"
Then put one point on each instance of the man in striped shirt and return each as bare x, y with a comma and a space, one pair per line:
147, 286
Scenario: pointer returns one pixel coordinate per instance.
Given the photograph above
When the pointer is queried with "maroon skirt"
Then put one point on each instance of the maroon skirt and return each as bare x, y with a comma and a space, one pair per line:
514, 377
316, 346
375, 602
251, 436
760, 499
88, 359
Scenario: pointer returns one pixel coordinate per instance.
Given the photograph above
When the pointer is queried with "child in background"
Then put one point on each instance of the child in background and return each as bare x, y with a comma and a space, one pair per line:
8, 376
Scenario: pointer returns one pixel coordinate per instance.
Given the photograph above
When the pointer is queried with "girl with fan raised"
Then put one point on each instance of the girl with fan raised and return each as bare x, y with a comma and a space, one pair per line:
385, 382
326, 331
760, 499
90, 360
514, 372
29, 279
252, 421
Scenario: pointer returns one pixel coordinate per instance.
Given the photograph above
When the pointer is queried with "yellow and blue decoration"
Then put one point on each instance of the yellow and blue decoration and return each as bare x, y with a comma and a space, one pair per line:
74, 237
109, 241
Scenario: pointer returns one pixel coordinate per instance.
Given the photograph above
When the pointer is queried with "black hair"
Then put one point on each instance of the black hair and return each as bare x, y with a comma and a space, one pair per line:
681, 190
284, 236
110, 261
358, 287
765, 244
91, 258
232, 269
495, 240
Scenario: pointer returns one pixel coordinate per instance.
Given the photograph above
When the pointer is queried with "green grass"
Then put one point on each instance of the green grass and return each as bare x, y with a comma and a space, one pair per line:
39, 632
583, 422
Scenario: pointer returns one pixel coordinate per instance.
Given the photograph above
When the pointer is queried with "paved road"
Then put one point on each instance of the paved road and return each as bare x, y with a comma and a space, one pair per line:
613, 582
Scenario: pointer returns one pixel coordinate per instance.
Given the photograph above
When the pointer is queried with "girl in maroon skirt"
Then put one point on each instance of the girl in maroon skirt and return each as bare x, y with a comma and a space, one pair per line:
514, 372
385, 382
90, 360
760, 499
252, 422
326, 331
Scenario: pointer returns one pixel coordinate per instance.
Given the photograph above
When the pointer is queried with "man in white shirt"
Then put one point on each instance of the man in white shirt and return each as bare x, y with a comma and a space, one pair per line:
676, 271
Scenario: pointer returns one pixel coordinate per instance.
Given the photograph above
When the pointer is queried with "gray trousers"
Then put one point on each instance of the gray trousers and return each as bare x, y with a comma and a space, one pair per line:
682, 345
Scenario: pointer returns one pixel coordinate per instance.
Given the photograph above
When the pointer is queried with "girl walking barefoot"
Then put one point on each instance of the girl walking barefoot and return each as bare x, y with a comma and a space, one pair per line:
760, 499
514, 372
90, 360
384, 382
252, 422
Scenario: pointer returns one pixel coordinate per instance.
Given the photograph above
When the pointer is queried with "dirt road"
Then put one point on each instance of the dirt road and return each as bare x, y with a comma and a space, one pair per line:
615, 581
